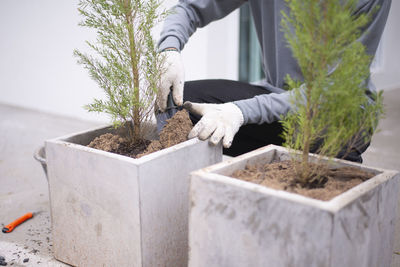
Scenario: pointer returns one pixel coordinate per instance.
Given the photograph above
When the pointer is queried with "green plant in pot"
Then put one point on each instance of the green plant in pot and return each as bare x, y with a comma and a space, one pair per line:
127, 65
332, 109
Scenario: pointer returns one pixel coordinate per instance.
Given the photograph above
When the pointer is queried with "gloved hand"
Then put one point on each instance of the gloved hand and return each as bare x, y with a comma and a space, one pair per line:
220, 121
174, 77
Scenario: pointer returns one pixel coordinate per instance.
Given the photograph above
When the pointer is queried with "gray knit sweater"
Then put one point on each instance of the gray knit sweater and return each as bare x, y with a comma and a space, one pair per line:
277, 58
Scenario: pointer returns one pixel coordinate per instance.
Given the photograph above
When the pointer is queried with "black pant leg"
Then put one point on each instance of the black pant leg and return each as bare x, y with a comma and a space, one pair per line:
249, 137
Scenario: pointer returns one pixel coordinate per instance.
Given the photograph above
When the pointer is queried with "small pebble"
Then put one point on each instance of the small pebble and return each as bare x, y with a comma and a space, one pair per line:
3, 263
26, 260
2, 258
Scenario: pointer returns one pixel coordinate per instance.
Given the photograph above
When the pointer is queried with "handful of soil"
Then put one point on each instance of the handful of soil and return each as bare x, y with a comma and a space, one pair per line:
174, 132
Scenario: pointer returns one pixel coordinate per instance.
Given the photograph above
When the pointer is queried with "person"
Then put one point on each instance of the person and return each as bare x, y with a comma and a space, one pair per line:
246, 116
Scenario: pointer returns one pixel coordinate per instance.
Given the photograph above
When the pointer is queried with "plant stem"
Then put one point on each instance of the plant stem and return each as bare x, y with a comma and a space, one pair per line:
307, 138
306, 150
135, 72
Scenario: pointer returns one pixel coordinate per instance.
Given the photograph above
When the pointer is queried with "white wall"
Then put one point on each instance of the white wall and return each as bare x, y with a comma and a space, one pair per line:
387, 73
37, 69
213, 51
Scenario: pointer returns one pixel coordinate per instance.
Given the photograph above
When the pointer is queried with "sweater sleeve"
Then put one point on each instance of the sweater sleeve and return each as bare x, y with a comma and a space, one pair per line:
188, 15
265, 108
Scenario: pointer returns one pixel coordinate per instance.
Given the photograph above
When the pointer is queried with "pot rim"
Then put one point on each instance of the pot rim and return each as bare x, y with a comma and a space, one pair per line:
65, 140
333, 205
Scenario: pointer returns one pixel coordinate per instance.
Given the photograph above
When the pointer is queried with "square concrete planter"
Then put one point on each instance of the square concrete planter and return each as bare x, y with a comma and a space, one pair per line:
112, 210
237, 223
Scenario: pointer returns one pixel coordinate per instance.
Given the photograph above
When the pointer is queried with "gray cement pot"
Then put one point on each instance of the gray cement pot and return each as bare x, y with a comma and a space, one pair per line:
112, 210
237, 223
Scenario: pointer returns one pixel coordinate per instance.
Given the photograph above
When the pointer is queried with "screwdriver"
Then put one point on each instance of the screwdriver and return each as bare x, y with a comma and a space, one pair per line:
10, 227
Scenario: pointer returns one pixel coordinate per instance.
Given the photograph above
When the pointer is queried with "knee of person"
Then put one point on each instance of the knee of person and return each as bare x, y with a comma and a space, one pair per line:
206, 91
192, 91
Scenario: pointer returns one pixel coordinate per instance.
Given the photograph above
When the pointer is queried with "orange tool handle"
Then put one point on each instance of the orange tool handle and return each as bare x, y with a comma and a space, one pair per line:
11, 226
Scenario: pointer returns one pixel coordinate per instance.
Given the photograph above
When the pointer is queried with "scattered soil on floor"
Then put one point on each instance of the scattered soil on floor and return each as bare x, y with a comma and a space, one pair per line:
174, 132
282, 176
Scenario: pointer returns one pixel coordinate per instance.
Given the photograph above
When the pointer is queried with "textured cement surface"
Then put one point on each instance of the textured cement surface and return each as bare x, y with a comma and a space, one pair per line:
136, 215
384, 151
23, 186
253, 226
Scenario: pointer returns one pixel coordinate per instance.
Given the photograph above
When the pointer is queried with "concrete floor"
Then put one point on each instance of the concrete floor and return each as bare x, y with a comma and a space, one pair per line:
23, 185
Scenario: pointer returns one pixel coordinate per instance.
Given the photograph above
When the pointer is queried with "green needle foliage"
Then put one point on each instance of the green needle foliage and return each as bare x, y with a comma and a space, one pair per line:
126, 64
331, 105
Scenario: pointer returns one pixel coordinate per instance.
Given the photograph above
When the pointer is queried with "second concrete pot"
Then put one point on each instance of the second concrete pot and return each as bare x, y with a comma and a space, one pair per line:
237, 223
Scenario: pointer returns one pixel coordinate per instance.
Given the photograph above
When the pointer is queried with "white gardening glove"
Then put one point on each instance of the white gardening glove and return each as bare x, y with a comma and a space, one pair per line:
219, 121
173, 77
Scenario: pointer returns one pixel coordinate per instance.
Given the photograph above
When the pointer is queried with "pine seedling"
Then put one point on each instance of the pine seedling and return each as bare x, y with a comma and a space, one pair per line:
331, 106
126, 64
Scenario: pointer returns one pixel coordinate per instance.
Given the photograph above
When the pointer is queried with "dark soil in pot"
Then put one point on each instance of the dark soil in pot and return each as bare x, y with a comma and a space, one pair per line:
174, 132
282, 176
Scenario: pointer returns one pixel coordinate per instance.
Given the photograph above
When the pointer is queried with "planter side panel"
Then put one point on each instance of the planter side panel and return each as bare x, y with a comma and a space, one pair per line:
88, 192
363, 230
164, 201
235, 226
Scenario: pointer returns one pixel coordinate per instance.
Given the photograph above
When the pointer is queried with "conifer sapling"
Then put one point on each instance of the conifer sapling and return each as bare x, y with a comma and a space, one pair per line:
126, 64
331, 105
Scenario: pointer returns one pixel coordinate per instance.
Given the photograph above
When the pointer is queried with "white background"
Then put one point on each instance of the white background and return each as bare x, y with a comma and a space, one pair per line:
38, 71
